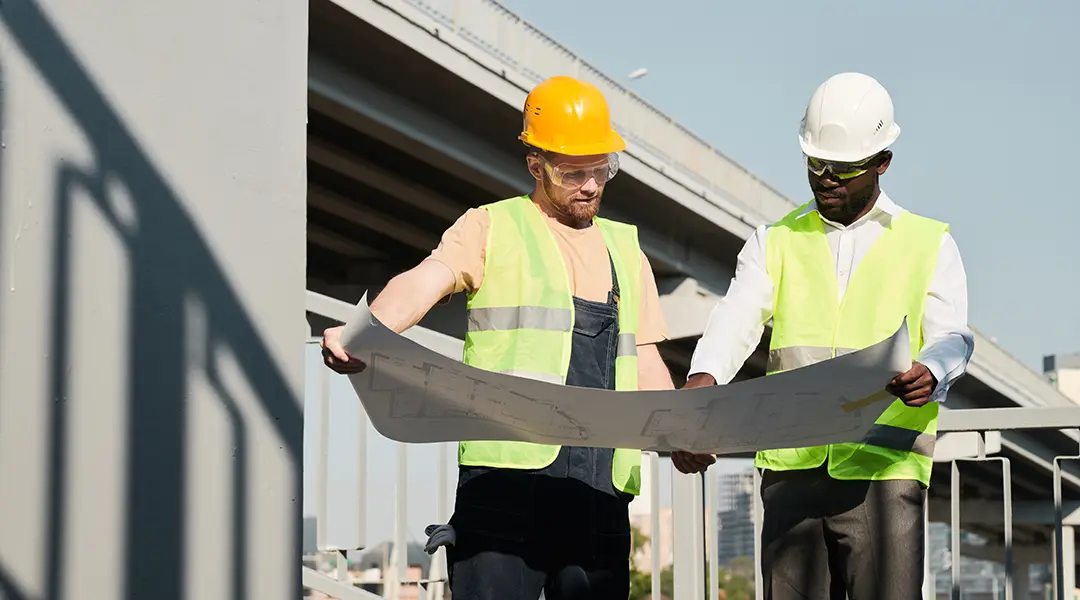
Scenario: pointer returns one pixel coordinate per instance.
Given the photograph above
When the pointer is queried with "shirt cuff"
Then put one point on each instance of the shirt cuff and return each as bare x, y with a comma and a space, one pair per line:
940, 375
947, 360
708, 366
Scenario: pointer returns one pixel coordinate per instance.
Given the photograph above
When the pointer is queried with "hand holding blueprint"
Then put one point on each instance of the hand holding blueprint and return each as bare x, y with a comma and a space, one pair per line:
413, 394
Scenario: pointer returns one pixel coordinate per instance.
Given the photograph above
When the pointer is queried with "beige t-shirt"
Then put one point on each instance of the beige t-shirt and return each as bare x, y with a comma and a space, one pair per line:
584, 253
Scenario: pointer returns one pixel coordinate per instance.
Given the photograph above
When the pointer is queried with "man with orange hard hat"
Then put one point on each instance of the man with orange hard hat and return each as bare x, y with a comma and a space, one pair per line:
558, 294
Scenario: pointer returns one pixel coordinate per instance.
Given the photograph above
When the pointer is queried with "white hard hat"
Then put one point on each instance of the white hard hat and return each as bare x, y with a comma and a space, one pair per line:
849, 118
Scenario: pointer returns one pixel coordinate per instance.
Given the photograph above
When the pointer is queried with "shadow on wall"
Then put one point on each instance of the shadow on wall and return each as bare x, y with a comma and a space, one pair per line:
169, 262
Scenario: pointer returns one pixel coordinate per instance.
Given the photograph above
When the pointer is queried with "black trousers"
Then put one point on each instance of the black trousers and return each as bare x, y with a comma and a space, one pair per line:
824, 538
519, 533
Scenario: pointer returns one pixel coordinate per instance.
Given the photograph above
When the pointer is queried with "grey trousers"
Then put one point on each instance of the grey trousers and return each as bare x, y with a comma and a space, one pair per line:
824, 538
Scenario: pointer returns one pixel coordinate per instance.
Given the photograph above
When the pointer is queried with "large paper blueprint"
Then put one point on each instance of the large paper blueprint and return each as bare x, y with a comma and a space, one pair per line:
413, 394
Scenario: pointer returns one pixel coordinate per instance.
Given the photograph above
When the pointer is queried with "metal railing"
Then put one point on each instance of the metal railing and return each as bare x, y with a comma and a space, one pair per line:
694, 506
434, 586
493, 30
984, 422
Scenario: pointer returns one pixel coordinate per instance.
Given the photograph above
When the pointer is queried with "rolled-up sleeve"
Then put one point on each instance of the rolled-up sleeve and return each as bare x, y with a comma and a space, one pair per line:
738, 320
949, 342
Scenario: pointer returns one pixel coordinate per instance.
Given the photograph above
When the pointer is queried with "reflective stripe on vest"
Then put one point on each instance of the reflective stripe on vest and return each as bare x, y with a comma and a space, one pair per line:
506, 318
521, 321
811, 324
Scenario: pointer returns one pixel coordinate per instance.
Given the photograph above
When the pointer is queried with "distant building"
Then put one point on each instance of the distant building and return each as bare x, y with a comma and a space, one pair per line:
1063, 372
735, 516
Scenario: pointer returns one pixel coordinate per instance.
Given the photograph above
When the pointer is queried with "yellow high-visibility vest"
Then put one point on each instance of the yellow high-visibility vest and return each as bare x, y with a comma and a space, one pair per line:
521, 322
810, 325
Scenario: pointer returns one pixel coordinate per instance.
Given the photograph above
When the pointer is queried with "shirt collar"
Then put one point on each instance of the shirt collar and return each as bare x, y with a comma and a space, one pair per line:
884, 209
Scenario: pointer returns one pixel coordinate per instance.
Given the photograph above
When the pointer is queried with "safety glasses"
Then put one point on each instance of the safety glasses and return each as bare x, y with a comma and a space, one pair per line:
840, 170
574, 176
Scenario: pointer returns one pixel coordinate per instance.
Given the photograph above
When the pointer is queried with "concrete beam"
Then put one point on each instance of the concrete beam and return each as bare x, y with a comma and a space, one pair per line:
1025, 447
442, 46
965, 444
354, 167
342, 207
986, 512
333, 241
1023, 554
395, 121
686, 308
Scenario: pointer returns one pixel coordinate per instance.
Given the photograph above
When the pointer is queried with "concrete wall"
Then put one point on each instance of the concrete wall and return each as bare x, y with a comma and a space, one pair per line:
152, 267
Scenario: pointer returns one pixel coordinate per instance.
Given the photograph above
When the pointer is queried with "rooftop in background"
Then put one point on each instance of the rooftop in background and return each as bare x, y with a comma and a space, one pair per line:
1063, 372
1054, 362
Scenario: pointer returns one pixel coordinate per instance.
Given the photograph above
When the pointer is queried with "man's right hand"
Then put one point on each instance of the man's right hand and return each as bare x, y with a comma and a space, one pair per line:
699, 380
334, 354
689, 462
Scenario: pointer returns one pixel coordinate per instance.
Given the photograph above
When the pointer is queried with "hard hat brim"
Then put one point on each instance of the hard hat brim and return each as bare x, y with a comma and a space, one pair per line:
614, 143
847, 157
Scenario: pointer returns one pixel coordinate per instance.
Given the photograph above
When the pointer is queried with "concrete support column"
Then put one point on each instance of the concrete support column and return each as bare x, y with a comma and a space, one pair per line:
152, 260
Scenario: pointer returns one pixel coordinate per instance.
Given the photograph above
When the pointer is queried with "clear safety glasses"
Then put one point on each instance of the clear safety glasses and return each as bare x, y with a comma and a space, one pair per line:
574, 176
839, 170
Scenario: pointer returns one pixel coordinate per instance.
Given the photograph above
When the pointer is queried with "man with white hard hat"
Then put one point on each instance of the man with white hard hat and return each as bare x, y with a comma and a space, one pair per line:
840, 273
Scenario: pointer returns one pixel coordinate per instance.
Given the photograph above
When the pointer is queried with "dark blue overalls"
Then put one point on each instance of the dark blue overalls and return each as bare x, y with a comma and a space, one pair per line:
564, 528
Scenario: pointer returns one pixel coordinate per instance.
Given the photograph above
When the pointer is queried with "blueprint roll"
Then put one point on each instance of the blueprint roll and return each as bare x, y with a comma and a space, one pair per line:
413, 394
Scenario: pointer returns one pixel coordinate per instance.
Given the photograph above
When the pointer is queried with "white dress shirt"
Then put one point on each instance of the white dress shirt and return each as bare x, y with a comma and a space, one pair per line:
737, 322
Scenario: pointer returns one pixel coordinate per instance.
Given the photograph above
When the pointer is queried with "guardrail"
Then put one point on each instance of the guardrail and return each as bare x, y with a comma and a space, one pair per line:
694, 503
694, 498
522, 48
995, 421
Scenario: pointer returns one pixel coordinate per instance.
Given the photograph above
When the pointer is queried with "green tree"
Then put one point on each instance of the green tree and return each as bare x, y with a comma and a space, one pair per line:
640, 583
736, 582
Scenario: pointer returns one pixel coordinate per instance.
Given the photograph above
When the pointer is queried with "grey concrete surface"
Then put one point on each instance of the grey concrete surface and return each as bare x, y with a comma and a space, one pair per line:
152, 261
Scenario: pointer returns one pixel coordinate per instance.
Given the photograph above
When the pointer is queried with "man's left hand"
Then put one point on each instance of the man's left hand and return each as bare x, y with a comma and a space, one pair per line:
688, 462
915, 386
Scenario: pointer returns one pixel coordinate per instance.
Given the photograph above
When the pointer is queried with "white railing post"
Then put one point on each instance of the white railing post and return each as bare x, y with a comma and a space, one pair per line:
439, 568
399, 562
323, 470
712, 532
759, 517
928, 572
1064, 543
654, 530
688, 513
361, 476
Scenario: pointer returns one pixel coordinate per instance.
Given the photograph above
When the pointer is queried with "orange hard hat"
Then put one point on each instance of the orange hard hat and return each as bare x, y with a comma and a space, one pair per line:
568, 116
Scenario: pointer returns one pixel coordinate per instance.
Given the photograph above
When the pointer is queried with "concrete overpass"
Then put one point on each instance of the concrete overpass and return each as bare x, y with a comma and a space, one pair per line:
440, 135
156, 172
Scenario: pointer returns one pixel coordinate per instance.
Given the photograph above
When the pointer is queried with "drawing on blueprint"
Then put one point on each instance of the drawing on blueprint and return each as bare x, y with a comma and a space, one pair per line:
449, 394
415, 395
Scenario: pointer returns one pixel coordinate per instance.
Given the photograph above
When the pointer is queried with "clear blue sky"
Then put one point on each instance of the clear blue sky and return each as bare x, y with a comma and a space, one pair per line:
985, 93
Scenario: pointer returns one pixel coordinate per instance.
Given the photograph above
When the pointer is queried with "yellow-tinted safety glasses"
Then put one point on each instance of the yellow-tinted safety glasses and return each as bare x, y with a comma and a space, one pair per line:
840, 170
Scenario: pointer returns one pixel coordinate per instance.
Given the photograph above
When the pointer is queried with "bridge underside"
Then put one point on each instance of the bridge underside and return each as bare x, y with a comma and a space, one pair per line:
399, 148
